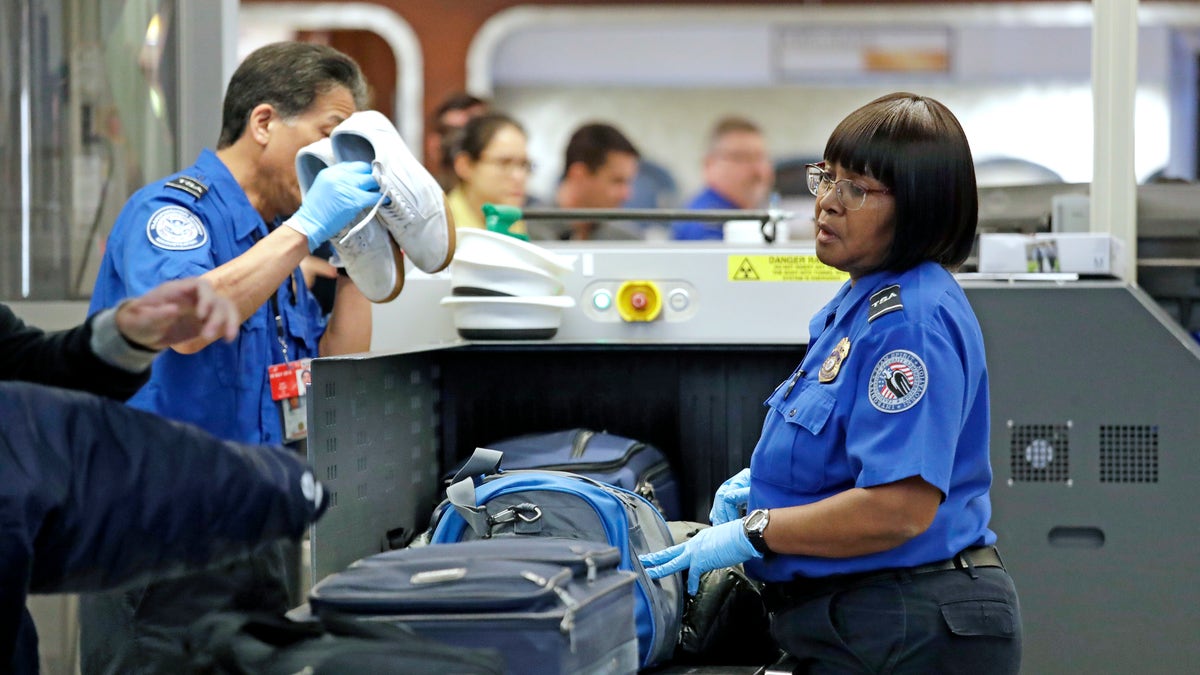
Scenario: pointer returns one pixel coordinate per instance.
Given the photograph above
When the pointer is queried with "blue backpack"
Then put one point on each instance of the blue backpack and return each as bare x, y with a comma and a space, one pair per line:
488, 503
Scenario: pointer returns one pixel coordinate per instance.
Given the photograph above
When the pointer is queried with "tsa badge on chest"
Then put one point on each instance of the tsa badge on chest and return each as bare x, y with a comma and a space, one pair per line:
898, 381
833, 362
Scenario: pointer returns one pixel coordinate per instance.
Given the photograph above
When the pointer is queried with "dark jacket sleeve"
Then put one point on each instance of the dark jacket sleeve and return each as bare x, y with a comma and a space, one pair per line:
60, 359
108, 495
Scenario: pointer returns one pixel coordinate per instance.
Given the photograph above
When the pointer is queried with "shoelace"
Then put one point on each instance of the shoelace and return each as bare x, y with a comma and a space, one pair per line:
363, 223
355, 247
386, 195
405, 215
358, 244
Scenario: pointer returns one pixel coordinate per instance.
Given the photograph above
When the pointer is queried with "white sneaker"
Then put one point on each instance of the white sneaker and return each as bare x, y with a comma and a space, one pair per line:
370, 256
415, 211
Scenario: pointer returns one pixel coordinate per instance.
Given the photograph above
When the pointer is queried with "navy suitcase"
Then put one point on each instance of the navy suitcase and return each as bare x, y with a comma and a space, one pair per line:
633, 465
547, 605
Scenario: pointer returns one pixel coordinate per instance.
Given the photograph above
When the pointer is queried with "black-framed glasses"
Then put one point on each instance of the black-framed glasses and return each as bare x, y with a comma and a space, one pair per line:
851, 195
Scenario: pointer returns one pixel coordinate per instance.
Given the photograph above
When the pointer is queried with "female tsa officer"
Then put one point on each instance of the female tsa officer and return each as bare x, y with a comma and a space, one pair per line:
868, 489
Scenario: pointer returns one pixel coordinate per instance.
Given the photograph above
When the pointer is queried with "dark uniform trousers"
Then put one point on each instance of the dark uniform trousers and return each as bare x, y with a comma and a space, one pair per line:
949, 621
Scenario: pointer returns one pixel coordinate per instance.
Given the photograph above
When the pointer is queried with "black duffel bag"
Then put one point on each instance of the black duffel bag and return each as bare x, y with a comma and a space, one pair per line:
262, 643
725, 622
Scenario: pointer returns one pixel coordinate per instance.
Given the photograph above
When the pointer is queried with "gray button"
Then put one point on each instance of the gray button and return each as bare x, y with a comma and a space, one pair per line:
679, 300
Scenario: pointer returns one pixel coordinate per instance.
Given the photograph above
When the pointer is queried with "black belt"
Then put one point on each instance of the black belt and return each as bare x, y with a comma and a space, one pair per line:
777, 595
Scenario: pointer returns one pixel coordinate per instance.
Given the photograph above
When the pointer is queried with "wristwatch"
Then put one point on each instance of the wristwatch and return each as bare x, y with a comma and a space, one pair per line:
754, 524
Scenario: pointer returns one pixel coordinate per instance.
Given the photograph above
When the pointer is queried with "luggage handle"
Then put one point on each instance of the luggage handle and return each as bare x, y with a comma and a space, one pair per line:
482, 462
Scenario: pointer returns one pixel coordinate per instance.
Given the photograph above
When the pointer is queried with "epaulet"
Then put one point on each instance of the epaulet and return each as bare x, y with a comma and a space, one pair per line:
883, 301
191, 186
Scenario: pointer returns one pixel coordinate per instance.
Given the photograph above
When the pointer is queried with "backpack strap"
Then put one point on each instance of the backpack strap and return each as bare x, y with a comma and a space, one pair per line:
462, 497
461, 492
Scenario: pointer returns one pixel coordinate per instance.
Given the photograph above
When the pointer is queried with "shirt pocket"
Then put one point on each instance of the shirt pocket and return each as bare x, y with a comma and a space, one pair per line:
302, 336
793, 451
243, 362
224, 361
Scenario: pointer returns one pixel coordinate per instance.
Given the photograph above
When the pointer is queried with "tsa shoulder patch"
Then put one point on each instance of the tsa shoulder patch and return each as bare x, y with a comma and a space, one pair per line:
189, 185
898, 381
884, 301
174, 228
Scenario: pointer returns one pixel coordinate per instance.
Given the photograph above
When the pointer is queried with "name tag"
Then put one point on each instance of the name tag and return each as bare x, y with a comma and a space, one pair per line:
289, 388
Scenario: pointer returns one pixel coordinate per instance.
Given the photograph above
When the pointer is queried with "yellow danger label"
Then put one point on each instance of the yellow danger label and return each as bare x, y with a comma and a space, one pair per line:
781, 268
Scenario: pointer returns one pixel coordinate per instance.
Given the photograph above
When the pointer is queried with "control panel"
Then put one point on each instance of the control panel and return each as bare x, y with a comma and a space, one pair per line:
639, 300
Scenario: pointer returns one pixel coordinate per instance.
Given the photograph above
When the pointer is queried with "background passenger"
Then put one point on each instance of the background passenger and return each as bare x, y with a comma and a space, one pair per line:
598, 173
451, 115
737, 175
492, 164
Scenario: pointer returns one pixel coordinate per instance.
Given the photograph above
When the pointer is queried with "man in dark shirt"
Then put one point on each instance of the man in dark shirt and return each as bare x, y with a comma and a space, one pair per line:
598, 173
89, 501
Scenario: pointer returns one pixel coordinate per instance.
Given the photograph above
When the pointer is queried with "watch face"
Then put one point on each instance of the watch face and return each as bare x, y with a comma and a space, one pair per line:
757, 520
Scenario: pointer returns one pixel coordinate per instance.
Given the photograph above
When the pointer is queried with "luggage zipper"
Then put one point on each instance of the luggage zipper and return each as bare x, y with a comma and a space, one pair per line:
645, 485
567, 625
595, 466
579, 443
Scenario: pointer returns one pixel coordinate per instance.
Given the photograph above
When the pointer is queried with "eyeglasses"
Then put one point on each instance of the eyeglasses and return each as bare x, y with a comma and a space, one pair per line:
508, 164
849, 194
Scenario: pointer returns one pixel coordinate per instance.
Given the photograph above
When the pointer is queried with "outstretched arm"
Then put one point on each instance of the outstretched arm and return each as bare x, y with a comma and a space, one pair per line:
177, 311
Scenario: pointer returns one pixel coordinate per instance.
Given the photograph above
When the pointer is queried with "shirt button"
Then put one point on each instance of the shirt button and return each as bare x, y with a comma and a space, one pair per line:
792, 412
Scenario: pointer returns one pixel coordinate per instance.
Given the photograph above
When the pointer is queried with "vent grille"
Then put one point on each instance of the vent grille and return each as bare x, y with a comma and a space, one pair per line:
1129, 454
1041, 453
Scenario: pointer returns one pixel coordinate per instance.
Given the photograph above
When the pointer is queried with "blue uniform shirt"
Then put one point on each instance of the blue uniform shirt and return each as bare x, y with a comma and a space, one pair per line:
688, 229
186, 225
909, 397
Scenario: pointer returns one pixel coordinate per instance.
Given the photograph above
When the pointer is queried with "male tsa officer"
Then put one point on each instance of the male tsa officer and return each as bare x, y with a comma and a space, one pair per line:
218, 218
221, 219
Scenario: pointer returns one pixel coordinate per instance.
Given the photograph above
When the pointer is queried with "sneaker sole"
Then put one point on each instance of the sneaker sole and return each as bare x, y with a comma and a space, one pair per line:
398, 261
451, 238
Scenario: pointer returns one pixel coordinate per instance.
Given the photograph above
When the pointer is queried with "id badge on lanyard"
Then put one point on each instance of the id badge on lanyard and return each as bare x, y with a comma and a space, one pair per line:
289, 385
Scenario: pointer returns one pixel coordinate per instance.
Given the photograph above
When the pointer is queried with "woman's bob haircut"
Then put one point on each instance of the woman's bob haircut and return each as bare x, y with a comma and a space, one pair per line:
915, 146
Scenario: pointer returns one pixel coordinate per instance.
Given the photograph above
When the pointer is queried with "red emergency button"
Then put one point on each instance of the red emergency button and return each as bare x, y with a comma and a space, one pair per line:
639, 301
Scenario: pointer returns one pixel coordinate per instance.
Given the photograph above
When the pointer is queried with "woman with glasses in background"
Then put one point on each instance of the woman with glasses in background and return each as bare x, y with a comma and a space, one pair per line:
492, 164
868, 492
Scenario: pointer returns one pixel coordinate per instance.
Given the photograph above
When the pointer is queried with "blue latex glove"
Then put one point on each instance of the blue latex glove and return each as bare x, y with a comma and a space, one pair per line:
722, 546
337, 195
731, 496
